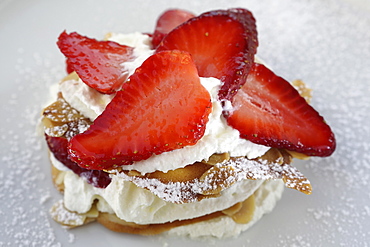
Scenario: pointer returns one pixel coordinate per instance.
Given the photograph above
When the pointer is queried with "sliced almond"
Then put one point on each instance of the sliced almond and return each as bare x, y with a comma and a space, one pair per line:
71, 76
233, 209
246, 212
61, 112
303, 90
68, 218
298, 155
217, 158
217, 179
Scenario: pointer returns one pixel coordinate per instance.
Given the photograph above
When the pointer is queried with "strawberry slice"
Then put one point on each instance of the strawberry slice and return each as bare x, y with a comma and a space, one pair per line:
162, 107
59, 147
69, 66
168, 21
97, 63
222, 44
267, 110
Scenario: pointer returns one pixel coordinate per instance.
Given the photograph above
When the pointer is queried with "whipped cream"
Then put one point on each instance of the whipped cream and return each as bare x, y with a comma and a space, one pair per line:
219, 137
142, 49
83, 98
144, 207
265, 197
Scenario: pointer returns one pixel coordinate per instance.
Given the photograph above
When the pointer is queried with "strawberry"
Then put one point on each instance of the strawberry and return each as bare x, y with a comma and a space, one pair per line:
267, 110
98, 63
59, 147
69, 66
168, 21
222, 44
162, 107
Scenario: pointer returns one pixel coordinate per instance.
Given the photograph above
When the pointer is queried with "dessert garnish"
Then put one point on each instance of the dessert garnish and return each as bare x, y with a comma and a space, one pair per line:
268, 110
97, 63
222, 43
162, 107
167, 22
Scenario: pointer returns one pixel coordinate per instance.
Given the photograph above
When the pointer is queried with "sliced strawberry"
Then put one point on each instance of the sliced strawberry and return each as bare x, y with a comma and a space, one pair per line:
222, 44
69, 66
267, 110
59, 147
162, 107
98, 63
168, 21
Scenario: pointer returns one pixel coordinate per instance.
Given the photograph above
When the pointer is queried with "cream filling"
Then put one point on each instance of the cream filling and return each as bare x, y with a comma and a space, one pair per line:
266, 197
134, 204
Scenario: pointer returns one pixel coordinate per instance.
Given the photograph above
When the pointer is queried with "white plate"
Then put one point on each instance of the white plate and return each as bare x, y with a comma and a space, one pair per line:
325, 43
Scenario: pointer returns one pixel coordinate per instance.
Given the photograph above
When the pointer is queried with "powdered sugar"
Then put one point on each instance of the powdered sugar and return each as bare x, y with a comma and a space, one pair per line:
59, 213
221, 177
24, 202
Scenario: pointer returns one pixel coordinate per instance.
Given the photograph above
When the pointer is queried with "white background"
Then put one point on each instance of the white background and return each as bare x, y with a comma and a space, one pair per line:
326, 43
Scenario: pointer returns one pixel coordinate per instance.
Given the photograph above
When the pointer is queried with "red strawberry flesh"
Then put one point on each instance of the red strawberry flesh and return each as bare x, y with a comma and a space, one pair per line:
267, 110
162, 107
168, 21
59, 147
97, 63
222, 44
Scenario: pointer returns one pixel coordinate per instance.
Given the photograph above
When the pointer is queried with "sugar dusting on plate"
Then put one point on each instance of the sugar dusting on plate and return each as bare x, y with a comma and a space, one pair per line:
331, 38
24, 198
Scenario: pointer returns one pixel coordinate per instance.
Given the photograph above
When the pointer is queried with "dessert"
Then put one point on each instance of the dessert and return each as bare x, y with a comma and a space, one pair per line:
182, 131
